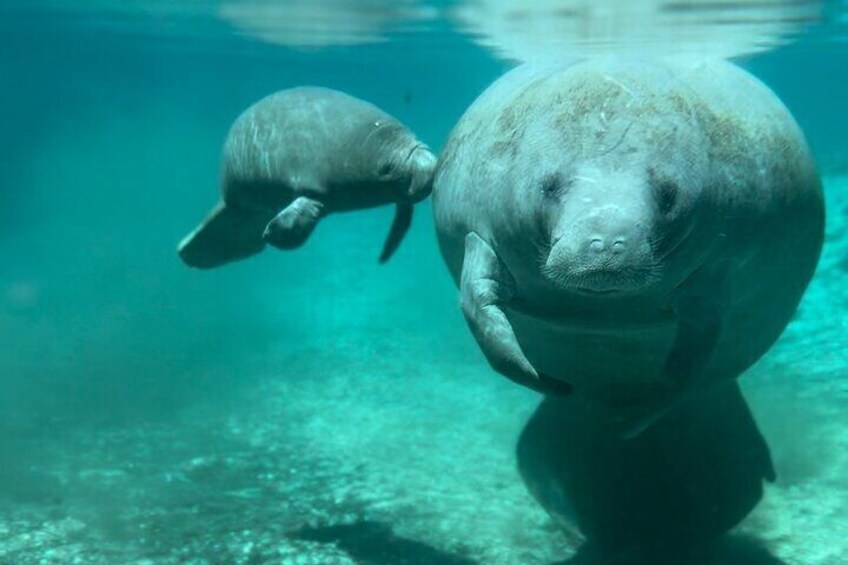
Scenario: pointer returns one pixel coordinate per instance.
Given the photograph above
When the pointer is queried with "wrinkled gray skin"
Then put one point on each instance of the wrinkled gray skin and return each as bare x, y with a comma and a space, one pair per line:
636, 230
297, 156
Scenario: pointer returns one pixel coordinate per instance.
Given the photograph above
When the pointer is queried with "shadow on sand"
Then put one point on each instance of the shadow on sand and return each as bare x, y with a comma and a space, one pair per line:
730, 550
374, 543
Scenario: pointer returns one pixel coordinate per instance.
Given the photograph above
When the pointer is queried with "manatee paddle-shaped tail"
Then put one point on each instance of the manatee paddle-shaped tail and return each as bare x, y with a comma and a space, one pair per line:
485, 286
227, 234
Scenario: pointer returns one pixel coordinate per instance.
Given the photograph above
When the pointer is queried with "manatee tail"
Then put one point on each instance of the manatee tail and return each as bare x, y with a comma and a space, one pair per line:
226, 235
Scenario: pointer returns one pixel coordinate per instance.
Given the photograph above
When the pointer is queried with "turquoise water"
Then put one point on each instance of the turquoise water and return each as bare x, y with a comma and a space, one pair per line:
314, 406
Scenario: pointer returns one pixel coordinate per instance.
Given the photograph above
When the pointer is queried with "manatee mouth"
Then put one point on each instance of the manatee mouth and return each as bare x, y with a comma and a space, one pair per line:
600, 283
608, 285
598, 291
606, 275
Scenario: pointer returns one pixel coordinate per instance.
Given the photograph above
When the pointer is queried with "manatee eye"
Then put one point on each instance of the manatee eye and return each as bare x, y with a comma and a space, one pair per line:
553, 186
666, 196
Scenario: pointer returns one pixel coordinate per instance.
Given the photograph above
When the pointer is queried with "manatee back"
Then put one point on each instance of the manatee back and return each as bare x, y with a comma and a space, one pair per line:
293, 140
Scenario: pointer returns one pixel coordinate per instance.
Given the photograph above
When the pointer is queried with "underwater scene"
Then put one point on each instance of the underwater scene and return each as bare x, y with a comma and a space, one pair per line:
424, 282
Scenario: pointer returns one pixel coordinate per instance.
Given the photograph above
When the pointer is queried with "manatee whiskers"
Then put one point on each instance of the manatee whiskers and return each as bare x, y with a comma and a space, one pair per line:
618, 280
560, 277
544, 246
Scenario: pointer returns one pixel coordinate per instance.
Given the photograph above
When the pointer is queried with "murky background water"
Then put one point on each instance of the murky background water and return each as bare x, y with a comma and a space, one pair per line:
314, 407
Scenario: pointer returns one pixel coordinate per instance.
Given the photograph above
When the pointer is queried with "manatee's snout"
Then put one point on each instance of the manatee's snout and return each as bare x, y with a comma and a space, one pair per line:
607, 238
605, 250
422, 163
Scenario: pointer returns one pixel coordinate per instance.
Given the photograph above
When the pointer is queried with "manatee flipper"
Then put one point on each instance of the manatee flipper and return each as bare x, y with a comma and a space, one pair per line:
485, 286
291, 227
227, 234
700, 311
698, 330
400, 225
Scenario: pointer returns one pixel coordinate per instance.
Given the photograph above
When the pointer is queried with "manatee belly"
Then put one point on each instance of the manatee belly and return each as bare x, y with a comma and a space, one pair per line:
619, 363
607, 363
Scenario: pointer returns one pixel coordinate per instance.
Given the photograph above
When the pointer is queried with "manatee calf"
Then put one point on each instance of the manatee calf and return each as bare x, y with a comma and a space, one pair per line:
299, 155
638, 229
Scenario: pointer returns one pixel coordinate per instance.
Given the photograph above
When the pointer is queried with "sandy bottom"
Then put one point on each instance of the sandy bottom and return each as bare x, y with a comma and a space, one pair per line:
379, 436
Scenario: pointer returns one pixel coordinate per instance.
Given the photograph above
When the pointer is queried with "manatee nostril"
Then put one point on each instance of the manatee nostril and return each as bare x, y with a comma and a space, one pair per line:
596, 245
618, 246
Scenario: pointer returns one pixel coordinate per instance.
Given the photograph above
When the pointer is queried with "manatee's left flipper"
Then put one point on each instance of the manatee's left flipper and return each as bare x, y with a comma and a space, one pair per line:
485, 287
698, 330
701, 310
400, 225
291, 227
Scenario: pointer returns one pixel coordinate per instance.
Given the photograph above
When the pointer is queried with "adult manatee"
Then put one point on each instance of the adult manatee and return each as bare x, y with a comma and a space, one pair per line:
635, 229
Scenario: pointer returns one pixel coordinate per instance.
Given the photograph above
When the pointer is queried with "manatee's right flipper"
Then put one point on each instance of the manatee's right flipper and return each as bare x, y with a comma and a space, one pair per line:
227, 234
400, 225
291, 227
484, 287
